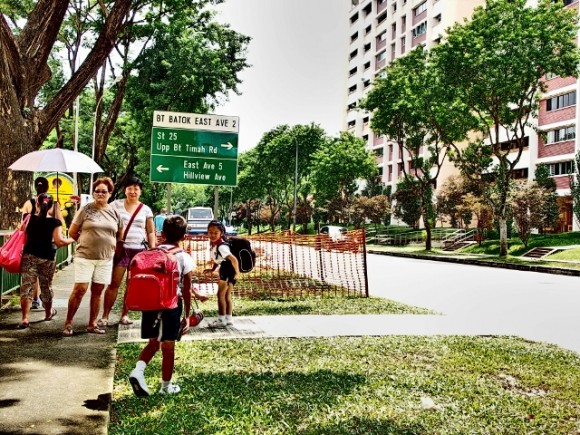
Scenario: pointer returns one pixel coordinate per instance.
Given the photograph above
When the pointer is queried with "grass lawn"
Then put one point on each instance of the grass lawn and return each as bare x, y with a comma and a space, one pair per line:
368, 385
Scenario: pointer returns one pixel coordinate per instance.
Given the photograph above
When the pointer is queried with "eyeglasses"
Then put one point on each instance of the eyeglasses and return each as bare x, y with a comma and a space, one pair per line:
104, 192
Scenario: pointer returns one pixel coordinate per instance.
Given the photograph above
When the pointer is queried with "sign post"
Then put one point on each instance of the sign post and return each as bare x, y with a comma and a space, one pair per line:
194, 148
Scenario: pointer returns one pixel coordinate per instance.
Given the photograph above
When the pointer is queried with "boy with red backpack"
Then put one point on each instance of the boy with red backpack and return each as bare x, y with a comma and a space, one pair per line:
163, 328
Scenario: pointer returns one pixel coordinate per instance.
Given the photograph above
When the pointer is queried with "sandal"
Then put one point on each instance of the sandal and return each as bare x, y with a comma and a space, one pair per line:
23, 325
125, 321
103, 323
68, 331
52, 314
95, 330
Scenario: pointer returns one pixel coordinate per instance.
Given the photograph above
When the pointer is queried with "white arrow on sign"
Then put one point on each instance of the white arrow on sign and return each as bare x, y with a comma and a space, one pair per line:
162, 168
228, 145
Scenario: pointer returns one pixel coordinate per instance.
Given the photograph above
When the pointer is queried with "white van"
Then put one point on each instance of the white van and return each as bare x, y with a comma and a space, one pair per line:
197, 219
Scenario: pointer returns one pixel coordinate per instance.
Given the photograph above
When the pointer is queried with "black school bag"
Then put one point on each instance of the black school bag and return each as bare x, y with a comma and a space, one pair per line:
242, 250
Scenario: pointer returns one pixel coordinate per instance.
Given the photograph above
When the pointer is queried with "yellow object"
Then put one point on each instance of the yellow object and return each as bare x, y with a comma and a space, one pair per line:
65, 188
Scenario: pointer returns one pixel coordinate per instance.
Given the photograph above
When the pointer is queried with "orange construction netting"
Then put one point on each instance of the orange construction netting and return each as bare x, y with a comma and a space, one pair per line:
291, 265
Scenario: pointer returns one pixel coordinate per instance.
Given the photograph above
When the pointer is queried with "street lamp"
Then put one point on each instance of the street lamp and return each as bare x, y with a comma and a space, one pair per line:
94, 139
295, 186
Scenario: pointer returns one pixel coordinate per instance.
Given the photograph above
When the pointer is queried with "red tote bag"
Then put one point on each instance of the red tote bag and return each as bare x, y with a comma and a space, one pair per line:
11, 251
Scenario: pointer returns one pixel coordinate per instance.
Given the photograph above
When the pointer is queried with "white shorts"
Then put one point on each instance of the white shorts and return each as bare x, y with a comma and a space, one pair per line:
97, 271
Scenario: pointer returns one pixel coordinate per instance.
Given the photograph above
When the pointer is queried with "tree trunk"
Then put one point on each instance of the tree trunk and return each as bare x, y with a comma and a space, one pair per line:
503, 242
428, 242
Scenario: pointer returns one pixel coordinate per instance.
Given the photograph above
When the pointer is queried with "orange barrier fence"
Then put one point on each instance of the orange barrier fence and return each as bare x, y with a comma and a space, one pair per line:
290, 265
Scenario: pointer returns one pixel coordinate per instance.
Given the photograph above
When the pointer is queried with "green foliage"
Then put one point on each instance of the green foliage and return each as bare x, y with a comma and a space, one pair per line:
495, 63
407, 205
337, 165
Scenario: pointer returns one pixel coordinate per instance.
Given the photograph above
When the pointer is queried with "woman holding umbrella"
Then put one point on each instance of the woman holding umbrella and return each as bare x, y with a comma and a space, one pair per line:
38, 258
41, 186
97, 227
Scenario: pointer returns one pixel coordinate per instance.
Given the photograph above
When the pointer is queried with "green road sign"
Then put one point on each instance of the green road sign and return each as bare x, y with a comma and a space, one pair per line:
195, 170
194, 148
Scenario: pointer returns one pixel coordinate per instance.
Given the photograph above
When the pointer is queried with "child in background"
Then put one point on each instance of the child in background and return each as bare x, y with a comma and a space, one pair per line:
229, 271
164, 328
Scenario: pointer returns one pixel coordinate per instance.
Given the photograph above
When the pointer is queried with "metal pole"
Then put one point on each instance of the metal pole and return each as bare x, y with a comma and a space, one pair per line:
295, 187
216, 201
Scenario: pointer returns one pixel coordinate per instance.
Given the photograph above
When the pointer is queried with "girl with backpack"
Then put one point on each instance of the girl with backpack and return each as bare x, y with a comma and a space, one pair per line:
223, 258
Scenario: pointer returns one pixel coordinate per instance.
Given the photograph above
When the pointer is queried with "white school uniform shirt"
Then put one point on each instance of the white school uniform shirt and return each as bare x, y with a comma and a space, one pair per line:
220, 252
185, 264
138, 231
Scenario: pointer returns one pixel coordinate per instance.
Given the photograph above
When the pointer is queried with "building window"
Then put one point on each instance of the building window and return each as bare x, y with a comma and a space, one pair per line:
403, 42
561, 168
568, 2
368, 29
420, 9
351, 106
561, 134
352, 72
420, 29
393, 30
403, 23
352, 89
393, 51
365, 121
378, 152
367, 65
367, 47
351, 124
381, 18
366, 83
381, 56
353, 54
561, 101
394, 7
354, 18
353, 37
368, 9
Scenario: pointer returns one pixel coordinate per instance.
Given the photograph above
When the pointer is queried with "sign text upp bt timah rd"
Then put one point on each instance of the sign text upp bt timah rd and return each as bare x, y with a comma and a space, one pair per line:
194, 148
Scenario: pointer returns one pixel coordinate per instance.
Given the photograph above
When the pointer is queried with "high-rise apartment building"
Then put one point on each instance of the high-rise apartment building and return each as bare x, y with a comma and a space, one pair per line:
383, 30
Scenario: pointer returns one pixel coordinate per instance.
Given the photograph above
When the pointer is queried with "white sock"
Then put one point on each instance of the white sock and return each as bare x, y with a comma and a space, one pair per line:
140, 365
228, 317
165, 384
223, 319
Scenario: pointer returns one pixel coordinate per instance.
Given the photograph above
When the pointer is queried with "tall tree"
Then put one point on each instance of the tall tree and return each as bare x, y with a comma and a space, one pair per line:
24, 69
412, 108
338, 164
496, 63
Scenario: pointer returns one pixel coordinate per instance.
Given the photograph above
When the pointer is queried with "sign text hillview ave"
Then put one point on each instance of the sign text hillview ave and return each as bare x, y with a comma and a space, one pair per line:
194, 148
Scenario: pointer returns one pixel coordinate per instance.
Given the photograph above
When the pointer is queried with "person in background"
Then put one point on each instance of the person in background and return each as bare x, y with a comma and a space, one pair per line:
158, 220
164, 328
40, 186
141, 234
228, 274
38, 264
96, 227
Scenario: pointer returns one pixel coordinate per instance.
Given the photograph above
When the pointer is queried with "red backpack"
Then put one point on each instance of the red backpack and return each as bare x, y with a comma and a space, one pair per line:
152, 280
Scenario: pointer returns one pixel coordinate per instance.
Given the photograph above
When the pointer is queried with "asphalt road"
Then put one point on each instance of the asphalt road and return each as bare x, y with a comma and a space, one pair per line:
536, 306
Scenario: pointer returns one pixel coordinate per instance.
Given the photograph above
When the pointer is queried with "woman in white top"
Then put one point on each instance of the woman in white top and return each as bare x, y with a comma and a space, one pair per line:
140, 235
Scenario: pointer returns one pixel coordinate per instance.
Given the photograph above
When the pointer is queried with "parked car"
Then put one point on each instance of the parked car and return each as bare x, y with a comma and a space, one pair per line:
197, 220
334, 231
231, 231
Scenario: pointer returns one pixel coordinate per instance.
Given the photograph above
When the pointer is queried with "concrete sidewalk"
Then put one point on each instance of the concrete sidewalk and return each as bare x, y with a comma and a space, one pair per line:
56, 385
50, 384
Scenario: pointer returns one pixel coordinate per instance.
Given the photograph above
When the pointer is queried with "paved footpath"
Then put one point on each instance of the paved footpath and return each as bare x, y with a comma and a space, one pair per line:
55, 385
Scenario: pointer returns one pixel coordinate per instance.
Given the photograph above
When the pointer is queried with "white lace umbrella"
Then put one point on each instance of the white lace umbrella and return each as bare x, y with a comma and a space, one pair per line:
56, 160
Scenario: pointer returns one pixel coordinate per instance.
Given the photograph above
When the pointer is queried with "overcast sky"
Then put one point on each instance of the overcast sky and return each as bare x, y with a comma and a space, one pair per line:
298, 55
